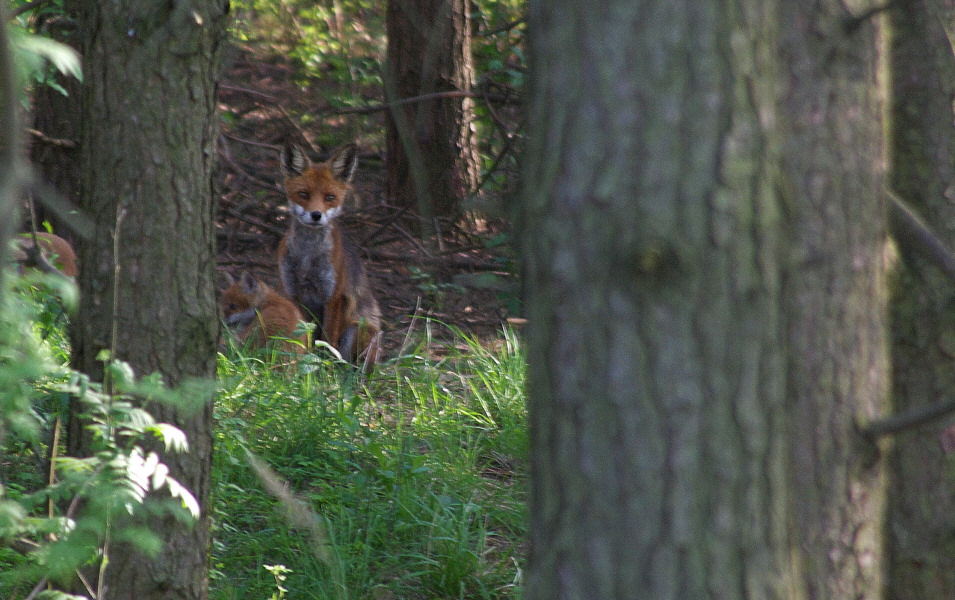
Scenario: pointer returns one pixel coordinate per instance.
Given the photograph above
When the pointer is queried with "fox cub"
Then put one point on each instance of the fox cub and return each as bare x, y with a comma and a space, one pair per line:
319, 265
253, 309
56, 252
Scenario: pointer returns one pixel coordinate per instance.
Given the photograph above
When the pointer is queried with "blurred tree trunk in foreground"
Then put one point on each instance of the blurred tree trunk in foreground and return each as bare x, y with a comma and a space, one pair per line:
703, 243
148, 151
432, 151
656, 338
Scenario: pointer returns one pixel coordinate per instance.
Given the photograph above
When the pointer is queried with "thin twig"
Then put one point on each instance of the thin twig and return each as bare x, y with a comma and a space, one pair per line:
229, 262
86, 584
252, 221
497, 161
913, 234
381, 228
270, 147
414, 319
444, 260
250, 92
37, 589
293, 122
57, 426
364, 110
52, 141
909, 419
28, 7
506, 27
120, 215
226, 153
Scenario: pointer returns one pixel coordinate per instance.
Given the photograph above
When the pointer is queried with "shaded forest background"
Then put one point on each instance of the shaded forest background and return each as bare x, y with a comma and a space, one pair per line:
816, 184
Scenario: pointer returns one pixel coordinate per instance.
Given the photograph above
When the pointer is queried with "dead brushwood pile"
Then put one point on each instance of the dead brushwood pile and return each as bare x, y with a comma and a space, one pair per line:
445, 279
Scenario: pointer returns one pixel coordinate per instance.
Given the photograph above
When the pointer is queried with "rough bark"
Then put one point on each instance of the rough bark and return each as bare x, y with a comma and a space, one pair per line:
922, 151
831, 183
148, 149
56, 116
432, 153
656, 342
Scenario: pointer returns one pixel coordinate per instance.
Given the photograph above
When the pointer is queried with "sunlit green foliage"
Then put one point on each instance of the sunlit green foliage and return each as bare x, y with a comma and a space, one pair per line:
57, 528
340, 46
414, 478
37, 57
341, 41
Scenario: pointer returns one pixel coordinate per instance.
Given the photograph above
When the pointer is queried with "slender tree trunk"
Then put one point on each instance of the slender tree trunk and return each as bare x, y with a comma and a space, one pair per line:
149, 127
656, 338
922, 146
832, 178
432, 153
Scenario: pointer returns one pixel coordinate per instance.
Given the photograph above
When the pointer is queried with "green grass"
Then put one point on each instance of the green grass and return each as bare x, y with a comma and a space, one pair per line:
414, 477
406, 484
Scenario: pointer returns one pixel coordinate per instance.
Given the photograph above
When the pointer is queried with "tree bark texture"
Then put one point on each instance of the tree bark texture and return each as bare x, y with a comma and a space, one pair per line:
831, 185
11, 163
431, 145
149, 131
922, 149
656, 339
56, 156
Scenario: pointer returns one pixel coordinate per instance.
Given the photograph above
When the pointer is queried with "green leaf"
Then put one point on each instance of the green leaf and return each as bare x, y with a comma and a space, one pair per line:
177, 490
65, 59
172, 436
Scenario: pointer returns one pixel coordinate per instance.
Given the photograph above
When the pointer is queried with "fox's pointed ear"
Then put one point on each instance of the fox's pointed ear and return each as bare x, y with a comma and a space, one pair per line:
228, 279
344, 162
293, 159
248, 283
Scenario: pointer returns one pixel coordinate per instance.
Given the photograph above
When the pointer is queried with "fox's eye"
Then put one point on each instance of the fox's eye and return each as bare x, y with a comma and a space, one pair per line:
303, 195
330, 197
233, 307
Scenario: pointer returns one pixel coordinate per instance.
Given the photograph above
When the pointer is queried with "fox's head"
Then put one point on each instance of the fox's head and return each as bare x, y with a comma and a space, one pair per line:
316, 191
242, 298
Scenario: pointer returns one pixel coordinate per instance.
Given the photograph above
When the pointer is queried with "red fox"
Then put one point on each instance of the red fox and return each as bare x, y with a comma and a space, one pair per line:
319, 265
57, 250
256, 310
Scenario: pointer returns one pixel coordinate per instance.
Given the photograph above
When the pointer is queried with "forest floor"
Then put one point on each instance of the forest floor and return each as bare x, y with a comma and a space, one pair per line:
457, 279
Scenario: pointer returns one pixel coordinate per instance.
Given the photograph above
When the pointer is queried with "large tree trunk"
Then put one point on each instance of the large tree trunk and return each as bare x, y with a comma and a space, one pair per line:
694, 394
832, 178
148, 149
922, 150
656, 339
432, 152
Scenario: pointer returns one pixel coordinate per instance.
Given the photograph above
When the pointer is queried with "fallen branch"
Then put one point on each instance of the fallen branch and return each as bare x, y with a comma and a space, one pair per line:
364, 110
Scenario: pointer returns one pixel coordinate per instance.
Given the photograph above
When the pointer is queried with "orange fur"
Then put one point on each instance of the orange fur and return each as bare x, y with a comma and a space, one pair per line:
319, 265
259, 312
55, 248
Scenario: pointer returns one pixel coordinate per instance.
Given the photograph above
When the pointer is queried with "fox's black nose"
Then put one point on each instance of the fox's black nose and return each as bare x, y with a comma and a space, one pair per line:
317, 215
